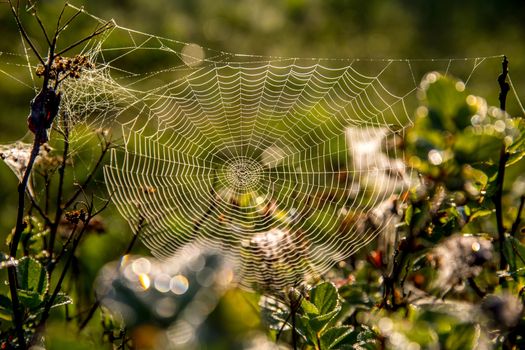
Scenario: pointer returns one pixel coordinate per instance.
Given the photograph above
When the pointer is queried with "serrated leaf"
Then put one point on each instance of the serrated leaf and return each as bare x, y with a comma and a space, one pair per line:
305, 330
318, 323
309, 308
335, 335
30, 299
32, 276
324, 297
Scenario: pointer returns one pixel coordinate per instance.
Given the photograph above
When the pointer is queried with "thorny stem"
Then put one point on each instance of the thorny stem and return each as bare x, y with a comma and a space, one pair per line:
504, 155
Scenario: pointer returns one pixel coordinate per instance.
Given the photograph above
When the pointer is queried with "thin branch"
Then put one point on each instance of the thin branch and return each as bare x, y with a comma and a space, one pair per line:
35, 205
504, 155
64, 247
96, 304
24, 34
59, 209
97, 32
49, 304
57, 30
68, 22
35, 13
81, 188
19, 228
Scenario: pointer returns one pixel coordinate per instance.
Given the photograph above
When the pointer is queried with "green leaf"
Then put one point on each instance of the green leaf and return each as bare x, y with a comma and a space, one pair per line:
324, 297
335, 335
32, 276
305, 330
309, 308
30, 299
318, 323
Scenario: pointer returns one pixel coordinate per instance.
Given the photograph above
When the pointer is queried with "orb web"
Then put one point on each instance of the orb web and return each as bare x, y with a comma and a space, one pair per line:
275, 161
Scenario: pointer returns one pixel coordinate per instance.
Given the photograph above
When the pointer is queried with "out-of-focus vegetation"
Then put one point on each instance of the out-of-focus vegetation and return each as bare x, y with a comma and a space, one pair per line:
452, 278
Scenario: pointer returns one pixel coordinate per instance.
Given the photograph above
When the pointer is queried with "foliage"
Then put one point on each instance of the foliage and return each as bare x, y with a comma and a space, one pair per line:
455, 279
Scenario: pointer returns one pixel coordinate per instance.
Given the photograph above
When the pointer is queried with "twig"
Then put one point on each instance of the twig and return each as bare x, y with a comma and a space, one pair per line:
497, 198
294, 330
71, 19
105, 149
19, 228
96, 304
35, 205
49, 304
59, 207
24, 33
95, 33
35, 13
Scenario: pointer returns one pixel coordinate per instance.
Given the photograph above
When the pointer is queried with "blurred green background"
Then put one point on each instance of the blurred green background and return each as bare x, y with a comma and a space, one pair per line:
295, 28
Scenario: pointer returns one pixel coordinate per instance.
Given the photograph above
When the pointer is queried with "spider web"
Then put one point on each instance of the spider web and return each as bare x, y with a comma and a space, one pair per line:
276, 161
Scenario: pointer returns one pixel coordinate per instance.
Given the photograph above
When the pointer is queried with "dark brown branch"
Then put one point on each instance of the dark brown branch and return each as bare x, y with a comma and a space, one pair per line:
504, 86
57, 30
49, 304
24, 33
19, 228
96, 304
37, 17
35, 205
97, 32
504, 156
82, 187
68, 22
59, 209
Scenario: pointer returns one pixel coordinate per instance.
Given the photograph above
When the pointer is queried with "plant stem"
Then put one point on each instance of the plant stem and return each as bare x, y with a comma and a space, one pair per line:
59, 207
504, 89
294, 330
91, 174
13, 247
96, 304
